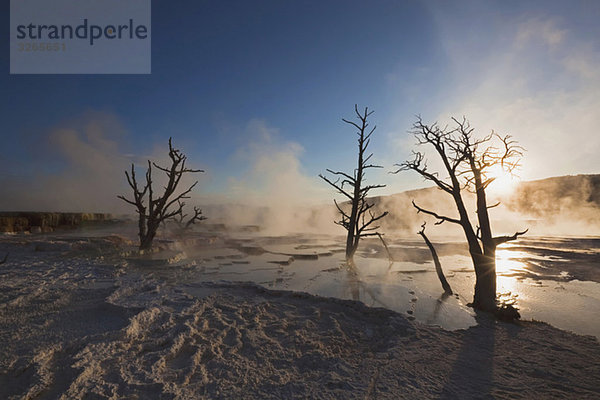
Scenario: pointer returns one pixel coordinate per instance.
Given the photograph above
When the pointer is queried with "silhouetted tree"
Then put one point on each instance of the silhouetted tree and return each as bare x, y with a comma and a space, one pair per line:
466, 163
359, 221
163, 207
436, 261
180, 219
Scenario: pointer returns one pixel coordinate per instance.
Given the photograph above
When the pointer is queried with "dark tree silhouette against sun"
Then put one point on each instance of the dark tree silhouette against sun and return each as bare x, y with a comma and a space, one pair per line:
467, 162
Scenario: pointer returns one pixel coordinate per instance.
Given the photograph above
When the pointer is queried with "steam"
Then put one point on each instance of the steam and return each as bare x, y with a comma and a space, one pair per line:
565, 206
86, 156
274, 192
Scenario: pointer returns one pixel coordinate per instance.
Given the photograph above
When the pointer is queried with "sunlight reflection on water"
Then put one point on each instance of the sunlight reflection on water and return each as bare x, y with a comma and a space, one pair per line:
510, 261
507, 264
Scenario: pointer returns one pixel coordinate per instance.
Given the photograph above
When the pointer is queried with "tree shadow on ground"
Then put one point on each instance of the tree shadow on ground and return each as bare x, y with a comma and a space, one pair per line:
474, 366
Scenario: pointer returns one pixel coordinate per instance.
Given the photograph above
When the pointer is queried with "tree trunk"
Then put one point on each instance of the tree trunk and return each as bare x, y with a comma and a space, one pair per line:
350, 248
387, 249
485, 283
438, 265
146, 242
142, 225
148, 238
353, 235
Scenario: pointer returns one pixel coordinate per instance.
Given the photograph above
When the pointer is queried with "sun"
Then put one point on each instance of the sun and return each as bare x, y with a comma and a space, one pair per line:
504, 182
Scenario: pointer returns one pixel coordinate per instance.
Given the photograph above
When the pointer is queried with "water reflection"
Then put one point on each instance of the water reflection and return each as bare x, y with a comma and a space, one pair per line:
510, 261
530, 273
412, 291
352, 281
508, 267
438, 306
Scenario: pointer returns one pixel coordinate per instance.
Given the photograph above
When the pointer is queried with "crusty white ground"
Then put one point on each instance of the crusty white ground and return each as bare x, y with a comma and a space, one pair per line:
94, 330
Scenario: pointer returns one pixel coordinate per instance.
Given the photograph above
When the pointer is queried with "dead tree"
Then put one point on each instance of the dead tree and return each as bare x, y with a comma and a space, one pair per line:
158, 208
180, 219
467, 162
358, 222
4, 259
385, 246
436, 261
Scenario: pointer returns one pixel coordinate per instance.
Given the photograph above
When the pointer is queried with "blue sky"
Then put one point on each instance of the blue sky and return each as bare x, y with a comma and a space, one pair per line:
240, 82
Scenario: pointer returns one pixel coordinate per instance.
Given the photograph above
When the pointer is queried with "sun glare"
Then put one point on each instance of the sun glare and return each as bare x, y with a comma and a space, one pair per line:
504, 182
507, 263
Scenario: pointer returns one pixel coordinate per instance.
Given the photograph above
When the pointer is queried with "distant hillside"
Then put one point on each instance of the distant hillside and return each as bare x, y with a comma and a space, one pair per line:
547, 201
549, 196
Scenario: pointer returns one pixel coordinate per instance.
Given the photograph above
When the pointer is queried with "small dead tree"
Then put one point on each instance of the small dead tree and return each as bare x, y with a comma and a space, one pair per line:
467, 162
385, 246
358, 222
163, 207
180, 219
436, 261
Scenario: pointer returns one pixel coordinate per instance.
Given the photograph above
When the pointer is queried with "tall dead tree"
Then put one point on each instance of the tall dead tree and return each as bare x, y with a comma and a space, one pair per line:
358, 221
467, 162
162, 207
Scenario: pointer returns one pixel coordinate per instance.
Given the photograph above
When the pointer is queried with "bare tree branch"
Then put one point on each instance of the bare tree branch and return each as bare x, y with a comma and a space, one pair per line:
503, 239
159, 209
418, 165
335, 185
441, 218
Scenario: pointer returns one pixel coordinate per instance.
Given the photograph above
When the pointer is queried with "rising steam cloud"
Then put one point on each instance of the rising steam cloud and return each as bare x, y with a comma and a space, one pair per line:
274, 192
76, 168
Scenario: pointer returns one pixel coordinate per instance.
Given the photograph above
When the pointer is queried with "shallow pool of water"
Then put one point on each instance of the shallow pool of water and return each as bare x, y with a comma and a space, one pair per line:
534, 274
